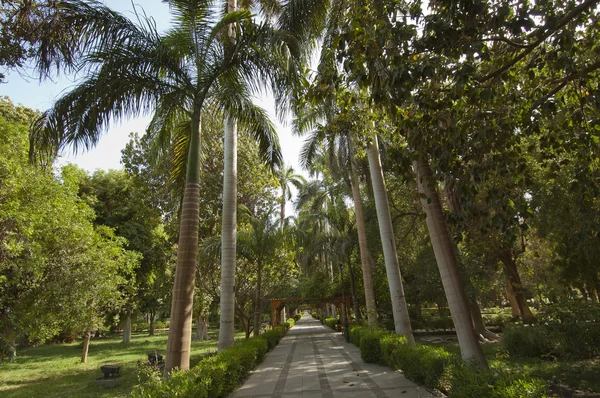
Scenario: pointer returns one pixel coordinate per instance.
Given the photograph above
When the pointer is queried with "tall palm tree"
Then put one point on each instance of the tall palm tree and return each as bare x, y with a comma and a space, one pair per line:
399, 308
130, 69
287, 176
447, 264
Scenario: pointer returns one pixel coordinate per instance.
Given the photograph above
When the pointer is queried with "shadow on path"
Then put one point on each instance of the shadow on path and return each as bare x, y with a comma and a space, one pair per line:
314, 361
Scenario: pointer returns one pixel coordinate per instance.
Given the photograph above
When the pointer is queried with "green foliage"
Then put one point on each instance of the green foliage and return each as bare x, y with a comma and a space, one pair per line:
370, 346
570, 329
356, 332
424, 364
388, 343
469, 381
331, 322
215, 376
291, 322
272, 338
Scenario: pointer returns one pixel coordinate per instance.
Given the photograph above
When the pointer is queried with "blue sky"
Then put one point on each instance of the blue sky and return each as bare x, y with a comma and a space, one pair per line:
22, 87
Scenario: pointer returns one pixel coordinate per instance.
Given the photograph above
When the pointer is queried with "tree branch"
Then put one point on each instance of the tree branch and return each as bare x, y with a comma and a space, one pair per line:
564, 81
566, 19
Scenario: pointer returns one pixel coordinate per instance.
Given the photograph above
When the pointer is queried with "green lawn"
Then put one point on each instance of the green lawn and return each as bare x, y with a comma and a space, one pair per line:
574, 373
56, 371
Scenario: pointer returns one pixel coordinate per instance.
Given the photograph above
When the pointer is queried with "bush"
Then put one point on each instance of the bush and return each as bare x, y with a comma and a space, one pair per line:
528, 341
159, 325
356, 333
297, 317
331, 322
215, 376
315, 315
272, 338
141, 326
388, 343
370, 347
469, 381
291, 322
424, 364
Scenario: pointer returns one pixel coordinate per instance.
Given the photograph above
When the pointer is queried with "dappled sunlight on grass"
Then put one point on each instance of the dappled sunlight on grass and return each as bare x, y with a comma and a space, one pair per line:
55, 370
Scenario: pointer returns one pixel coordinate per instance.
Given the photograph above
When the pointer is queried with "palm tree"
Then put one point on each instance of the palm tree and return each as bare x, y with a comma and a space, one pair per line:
447, 264
286, 176
386, 231
131, 69
259, 244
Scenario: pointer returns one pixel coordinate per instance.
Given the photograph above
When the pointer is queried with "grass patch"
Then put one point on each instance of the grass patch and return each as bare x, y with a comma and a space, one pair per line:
55, 370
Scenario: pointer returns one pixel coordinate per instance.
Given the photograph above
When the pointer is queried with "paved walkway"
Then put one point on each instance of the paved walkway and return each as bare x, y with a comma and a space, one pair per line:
314, 361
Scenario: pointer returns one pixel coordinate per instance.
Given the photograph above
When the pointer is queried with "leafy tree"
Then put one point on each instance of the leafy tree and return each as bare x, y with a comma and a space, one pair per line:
173, 74
57, 271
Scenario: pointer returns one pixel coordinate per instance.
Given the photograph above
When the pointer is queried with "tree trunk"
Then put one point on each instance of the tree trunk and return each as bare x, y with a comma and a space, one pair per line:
258, 301
151, 321
180, 330
355, 303
514, 280
362, 241
202, 327
126, 325
86, 346
386, 231
228, 246
478, 322
512, 300
447, 264
282, 207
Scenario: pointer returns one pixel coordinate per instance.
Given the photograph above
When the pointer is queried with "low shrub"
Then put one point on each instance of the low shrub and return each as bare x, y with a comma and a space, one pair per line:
315, 315
159, 325
297, 317
370, 347
388, 343
355, 333
291, 322
423, 364
528, 341
469, 381
215, 376
331, 322
141, 326
272, 337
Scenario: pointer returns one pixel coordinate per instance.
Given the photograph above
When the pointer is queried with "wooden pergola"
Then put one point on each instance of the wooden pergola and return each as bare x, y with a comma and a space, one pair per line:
277, 305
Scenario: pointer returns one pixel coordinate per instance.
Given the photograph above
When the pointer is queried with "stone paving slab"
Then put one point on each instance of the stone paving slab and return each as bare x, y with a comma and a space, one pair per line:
313, 361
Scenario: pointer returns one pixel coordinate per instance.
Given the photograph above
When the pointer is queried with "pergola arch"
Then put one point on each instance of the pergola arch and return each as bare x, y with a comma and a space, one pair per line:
277, 304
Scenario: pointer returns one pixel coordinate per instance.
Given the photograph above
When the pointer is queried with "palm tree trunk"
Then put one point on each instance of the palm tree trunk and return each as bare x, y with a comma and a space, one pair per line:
362, 241
282, 209
386, 231
447, 264
228, 245
355, 303
258, 301
180, 329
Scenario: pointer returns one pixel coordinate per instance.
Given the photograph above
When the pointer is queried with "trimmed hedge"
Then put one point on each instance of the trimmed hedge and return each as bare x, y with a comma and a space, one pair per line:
292, 322
436, 368
215, 376
331, 322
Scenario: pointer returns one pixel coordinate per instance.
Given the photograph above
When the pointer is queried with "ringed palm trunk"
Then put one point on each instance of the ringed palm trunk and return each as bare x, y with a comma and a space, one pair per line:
362, 241
258, 301
228, 231
448, 266
386, 231
180, 329
228, 245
